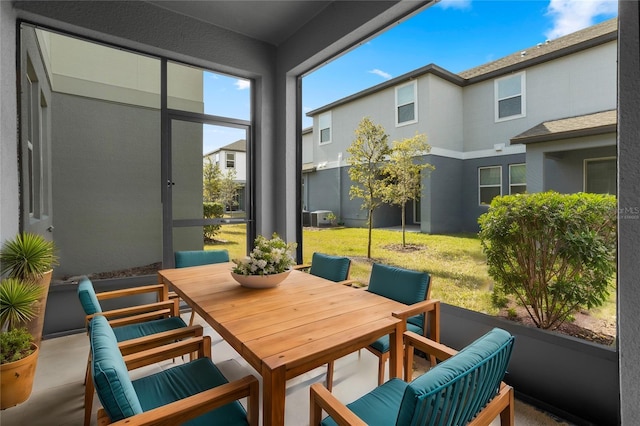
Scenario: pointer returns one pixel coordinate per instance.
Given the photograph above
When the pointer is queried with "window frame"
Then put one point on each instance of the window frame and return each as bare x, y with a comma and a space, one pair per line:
481, 186
511, 185
230, 157
413, 83
325, 116
496, 99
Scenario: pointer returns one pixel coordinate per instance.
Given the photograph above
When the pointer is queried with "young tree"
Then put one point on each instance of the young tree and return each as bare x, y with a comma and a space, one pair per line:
367, 155
228, 195
219, 192
403, 172
554, 252
211, 177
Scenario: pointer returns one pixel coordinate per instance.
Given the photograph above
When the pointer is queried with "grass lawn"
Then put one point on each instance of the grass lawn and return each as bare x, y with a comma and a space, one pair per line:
456, 263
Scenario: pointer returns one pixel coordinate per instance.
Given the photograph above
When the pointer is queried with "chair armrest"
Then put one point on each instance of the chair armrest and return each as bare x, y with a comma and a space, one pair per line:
158, 339
428, 346
201, 345
160, 289
349, 282
191, 407
322, 399
171, 306
430, 307
301, 267
417, 308
136, 319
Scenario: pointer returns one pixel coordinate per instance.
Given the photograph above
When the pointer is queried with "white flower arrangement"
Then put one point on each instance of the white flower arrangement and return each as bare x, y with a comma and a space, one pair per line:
268, 257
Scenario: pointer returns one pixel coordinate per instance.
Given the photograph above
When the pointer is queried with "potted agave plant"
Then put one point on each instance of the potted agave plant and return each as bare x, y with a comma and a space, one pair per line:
29, 257
18, 352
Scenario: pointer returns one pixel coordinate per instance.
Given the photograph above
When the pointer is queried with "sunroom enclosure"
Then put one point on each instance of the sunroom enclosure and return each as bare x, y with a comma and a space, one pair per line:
274, 67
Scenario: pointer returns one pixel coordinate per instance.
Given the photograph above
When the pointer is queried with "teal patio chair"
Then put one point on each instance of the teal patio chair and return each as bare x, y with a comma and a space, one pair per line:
194, 393
413, 288
187, 258
332, 268
161, 319
466, 388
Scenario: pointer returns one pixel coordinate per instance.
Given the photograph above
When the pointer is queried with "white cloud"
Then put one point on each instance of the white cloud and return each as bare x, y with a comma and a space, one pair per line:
572, 15
242, 84
381, 73
455, 4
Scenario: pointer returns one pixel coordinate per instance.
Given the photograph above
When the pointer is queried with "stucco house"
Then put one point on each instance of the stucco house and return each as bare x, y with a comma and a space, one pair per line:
232, 157
542, 118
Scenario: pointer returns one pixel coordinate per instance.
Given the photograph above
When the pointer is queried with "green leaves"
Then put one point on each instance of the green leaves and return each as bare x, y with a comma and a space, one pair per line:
27, 256
554, 252
15, 345
17, 302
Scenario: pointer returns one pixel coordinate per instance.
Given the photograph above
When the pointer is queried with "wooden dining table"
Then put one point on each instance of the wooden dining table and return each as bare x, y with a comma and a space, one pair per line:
282, 332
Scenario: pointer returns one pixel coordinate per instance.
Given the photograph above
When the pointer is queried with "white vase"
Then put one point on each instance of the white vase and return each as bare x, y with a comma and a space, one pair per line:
260, 281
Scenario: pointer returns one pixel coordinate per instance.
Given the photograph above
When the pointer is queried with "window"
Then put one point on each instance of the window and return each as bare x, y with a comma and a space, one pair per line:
231, 160
510, 98
517, 178
600, 176
406, 107
490, 179
324, 125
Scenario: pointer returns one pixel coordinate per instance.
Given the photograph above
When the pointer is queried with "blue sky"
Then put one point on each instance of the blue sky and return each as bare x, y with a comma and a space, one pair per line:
454, 34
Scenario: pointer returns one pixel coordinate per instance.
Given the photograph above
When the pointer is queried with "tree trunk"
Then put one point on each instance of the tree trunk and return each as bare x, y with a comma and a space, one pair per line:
370, 227
404, 241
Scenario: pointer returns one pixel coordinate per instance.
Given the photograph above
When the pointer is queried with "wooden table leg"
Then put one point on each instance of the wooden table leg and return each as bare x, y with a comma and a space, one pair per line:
274, 387
395, 355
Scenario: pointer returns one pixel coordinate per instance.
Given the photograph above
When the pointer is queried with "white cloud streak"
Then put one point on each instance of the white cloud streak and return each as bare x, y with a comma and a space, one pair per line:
381, 73
572, 15
242, 84
455, 4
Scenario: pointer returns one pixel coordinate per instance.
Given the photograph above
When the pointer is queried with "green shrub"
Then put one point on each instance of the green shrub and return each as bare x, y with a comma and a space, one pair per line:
15, 344
212, 210
555, 253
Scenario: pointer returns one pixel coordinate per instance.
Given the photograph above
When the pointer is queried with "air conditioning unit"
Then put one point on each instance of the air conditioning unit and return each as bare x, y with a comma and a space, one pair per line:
320, 218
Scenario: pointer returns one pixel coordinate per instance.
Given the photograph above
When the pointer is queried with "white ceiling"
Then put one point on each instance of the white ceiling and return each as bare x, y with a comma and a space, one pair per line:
270, 21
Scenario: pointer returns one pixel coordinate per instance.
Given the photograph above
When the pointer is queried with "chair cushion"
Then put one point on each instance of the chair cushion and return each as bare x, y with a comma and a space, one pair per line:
110, 375
334, 268
200, 257
87, 296
133, 331
379, 407
185, 380
427, 391
402, 285
382, 344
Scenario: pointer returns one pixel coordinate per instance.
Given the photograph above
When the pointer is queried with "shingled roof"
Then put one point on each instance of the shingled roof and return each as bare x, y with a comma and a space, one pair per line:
571, 127
580, 40
588, 37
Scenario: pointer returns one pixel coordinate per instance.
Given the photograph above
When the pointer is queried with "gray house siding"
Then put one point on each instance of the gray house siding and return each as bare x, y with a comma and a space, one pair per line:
441, 202
329, 190
564, 171
471, 208
553, 155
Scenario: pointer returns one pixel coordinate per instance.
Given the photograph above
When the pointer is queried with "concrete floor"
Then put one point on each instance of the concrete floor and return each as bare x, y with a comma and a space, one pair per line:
57, 397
